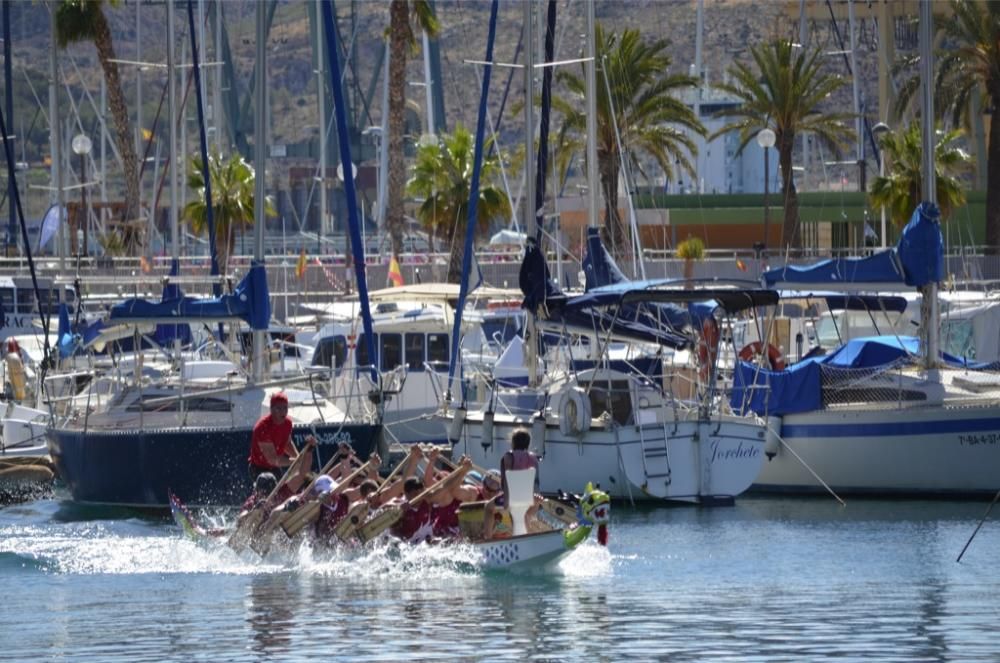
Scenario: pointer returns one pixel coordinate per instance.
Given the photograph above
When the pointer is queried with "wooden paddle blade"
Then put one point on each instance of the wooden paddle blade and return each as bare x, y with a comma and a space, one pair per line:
300, 518
380, 523
349, 524
241, 536
561, 512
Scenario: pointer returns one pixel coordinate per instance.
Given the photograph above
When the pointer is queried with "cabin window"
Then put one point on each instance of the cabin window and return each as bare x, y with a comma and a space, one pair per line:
331, 352
415, 352
196, 404
437, 350
614, 398
26, 300
361, 356
7, 299
392, 351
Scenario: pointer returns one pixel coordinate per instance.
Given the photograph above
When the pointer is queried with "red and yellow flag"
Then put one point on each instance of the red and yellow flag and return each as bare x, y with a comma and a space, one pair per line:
740, 265
300, 266
145, 265
395, 273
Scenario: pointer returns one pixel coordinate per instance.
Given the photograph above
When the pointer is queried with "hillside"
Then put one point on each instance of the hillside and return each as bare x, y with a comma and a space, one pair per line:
729, 27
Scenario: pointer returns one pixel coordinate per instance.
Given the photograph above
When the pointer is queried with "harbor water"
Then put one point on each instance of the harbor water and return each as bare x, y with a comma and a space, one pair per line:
769, 579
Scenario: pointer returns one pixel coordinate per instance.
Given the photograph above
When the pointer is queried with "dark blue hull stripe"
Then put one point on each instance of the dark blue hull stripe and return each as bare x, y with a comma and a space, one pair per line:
890, 429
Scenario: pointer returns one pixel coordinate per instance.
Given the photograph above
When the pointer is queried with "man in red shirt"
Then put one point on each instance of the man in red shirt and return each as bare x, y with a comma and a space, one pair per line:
271, 445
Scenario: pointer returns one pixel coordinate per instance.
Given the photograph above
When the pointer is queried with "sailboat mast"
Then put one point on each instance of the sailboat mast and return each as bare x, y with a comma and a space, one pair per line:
260, 162
590, 68
929, 313
321, 90
172, 134
530, 220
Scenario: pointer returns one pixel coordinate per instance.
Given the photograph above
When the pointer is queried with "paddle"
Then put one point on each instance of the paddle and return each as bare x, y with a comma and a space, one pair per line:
390, 515
356, 516
307, 513
241, 535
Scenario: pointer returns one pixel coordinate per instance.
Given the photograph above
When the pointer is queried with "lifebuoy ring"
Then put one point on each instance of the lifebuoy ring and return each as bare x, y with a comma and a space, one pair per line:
753, 350
574, 412
707, 347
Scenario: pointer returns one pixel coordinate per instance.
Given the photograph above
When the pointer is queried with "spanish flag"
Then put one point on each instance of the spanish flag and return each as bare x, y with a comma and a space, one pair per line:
300, 266
395, 274
145, 265
740, 265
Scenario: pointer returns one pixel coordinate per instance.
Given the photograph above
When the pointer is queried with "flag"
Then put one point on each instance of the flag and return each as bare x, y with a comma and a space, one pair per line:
50, 225
300, 267
740, 265
395, 277
145, 265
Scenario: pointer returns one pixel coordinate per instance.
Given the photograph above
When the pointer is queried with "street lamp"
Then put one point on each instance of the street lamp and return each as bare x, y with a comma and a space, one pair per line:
766, 140
81, 145
878, 130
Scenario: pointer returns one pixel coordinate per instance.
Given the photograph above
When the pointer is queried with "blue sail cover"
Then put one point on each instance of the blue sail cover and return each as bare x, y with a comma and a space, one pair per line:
921, 247
916, 260
250, 302
799, 388
599, 268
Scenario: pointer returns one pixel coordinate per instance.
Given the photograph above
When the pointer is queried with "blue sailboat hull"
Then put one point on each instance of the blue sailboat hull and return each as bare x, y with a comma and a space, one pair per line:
206, 466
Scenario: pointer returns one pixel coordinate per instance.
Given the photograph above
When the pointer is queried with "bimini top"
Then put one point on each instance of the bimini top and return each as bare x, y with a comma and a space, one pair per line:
250, 302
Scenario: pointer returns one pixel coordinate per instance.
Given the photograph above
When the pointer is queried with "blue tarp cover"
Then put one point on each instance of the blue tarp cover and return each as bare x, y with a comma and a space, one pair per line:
917, 259
798, 388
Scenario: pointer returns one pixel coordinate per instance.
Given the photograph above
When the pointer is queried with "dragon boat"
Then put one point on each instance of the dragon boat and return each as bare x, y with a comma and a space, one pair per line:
561, 529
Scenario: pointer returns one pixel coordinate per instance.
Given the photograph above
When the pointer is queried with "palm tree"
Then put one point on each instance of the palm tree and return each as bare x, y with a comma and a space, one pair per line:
899, 190
442, 176
232, 201
970, 67
644, 109
784, 92
690, 251
401, 40
84, 20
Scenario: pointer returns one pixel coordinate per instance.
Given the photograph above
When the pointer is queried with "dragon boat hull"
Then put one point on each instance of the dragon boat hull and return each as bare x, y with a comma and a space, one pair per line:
525, 550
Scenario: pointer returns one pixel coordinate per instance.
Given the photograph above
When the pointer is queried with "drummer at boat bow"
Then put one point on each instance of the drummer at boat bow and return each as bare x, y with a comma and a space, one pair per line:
271, 445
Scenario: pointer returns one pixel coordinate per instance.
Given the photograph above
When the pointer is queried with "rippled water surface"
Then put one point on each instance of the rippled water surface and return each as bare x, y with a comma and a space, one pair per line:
768, 579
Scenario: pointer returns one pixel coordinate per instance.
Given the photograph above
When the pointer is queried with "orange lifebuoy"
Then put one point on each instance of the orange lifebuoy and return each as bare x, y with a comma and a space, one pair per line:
707, 347
774, 358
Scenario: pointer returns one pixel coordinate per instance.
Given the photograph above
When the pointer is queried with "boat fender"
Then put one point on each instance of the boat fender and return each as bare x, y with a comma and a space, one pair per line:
772, 439
538, 432
456, 425
16, 376
487, 440
775, 359
574, 412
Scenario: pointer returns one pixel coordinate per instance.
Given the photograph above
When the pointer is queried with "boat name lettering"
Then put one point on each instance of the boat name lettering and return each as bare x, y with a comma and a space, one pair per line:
973, 440
326, 438
732, 453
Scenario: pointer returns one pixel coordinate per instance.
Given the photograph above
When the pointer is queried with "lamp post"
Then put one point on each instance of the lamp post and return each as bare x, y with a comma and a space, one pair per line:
878, 130
766, 139
81, 146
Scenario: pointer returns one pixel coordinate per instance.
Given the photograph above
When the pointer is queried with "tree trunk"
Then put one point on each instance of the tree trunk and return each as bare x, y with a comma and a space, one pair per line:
123, 129
400, 36
791, 237
993, 181
455, 257
614, 233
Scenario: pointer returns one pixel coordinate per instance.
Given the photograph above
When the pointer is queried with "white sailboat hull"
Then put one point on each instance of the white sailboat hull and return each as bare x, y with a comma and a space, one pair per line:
924, 450
690, 461
527, 550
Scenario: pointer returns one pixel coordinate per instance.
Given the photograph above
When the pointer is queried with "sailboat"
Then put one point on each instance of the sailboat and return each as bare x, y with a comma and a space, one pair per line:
887, 414
187, 428
611, 423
